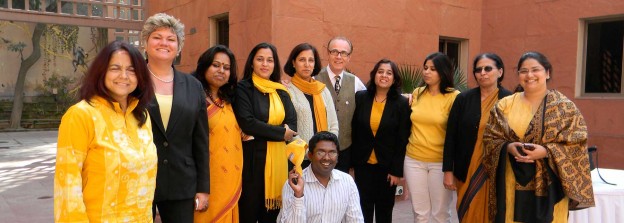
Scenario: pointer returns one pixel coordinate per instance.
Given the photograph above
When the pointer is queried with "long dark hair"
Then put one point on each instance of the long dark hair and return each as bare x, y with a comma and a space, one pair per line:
395, 89
445, 70
497, 60
540, 58
93, 82
276, 75
289, 67
226, 92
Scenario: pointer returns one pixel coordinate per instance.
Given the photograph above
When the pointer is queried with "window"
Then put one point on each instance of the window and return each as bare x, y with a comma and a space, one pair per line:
603, 59
220, 30
457, 50
130, 36
452, 49
223, 31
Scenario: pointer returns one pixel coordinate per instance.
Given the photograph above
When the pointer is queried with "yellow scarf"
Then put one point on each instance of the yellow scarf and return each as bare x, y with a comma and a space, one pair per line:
314, 88
276, 168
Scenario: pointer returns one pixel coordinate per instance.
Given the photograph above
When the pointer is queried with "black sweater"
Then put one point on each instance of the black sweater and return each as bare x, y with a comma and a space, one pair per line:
462, 129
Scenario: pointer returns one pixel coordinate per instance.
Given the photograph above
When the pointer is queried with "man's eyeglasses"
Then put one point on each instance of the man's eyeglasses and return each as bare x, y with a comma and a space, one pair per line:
336, 53
486, 68
321, 154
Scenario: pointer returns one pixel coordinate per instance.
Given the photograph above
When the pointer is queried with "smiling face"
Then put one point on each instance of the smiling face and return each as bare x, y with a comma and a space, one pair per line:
304, 64
120, 79
338, 62
162, 44
431, 76
384, 78
533, 76
486, 78
218, 73
263, 63
323, 158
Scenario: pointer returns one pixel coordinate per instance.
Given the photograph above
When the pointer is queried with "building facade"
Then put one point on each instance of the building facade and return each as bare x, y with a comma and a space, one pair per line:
583, 40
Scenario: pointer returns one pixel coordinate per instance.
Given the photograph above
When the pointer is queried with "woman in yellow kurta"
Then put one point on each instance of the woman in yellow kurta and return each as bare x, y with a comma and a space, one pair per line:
535, 147
106, 160
216, 70
463, 147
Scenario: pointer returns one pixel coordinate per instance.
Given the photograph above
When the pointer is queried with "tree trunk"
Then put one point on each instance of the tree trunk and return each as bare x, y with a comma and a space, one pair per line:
18, 98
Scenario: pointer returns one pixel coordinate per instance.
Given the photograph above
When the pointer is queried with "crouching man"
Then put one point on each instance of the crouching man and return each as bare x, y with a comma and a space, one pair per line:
320, 193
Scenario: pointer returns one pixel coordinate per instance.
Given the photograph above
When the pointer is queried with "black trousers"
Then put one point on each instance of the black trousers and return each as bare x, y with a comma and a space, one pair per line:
376, 194
175, 211
251, 206
344, 160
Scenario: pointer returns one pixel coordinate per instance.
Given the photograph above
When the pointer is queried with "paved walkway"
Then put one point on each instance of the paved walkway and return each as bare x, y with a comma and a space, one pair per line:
27, 178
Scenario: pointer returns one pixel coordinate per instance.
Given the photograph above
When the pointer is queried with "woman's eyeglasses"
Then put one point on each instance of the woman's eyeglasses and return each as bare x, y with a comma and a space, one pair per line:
486, 68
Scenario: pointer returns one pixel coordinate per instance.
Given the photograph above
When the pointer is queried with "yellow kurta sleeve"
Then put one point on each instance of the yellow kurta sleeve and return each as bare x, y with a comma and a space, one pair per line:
75, 132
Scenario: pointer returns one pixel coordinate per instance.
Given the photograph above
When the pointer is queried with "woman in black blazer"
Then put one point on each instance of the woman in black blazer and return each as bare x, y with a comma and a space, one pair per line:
260, 100
179, 124
463, 146
381, 127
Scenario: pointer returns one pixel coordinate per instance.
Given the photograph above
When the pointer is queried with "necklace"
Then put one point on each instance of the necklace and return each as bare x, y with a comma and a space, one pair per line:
220, 105
382, 101
169, 81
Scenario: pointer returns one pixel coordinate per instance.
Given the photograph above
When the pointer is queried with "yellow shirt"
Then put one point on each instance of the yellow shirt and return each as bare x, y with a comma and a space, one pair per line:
105, 165
165, 102
429, 117
375, 119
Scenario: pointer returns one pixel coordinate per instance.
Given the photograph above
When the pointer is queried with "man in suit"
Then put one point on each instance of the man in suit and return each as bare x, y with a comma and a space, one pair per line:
344, 85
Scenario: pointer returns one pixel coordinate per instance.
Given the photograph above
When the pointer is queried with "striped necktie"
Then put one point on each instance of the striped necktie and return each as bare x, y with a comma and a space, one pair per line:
337, 85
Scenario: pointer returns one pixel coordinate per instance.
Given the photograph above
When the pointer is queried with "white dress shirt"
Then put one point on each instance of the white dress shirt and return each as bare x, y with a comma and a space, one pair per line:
338, 202
332, 77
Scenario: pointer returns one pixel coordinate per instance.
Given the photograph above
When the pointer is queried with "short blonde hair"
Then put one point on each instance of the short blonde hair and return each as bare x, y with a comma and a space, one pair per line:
162, 20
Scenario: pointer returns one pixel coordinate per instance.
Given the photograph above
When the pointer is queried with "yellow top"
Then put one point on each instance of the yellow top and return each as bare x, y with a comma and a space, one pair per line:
164, 104
518, 113
429, 117
375, 119
105, 165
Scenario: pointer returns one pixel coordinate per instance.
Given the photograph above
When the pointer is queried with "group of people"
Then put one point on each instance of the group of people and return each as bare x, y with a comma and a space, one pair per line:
146, 138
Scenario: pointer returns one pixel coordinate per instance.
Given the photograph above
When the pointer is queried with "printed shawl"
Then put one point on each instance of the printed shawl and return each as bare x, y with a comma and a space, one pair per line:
558, 126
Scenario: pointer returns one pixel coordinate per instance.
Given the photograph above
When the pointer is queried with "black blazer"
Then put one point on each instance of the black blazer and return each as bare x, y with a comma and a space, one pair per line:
251, 108
462, 129
392, 135
182, 149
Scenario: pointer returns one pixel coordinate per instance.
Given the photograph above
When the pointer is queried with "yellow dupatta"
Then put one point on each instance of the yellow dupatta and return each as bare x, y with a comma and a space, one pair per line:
314, 88
276, 168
